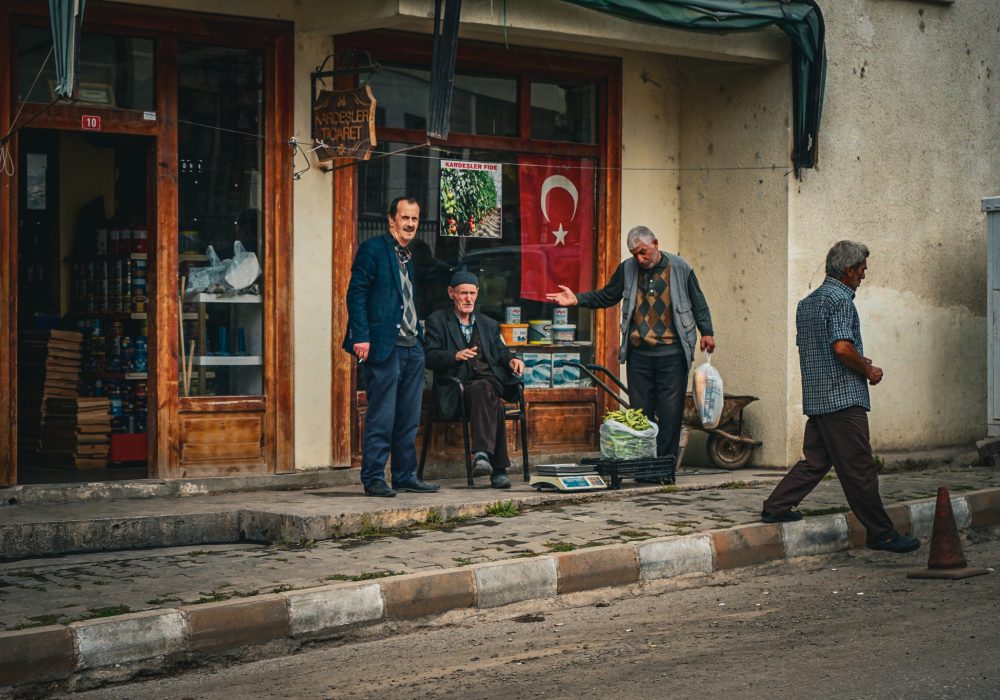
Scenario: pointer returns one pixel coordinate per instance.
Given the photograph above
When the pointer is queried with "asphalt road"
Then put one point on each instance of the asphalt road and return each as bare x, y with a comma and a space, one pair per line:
846, 626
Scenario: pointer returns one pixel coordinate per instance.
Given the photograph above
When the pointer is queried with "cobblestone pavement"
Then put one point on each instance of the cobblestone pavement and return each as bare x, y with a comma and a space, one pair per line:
64, 589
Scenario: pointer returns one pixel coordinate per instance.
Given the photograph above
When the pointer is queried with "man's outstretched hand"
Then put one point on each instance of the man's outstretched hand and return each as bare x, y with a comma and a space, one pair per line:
566, 297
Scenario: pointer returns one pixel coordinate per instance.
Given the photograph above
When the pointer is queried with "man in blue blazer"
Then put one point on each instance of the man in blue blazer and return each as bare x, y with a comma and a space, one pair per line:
383, 333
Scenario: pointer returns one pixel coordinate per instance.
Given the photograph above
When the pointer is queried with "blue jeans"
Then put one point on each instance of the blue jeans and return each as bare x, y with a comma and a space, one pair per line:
657, 385
395, 389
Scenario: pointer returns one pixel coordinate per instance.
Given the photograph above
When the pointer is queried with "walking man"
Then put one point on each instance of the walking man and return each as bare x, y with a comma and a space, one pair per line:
467, 346
383, 334
662, 303
835, 379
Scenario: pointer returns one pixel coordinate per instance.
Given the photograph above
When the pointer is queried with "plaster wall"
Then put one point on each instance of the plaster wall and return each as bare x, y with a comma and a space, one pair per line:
908, 147
734, 131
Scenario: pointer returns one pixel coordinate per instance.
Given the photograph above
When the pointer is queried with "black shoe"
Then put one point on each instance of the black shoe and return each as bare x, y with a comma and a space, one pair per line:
895, 543
417, 486
481, 467
380, 489
499, 480
789, 516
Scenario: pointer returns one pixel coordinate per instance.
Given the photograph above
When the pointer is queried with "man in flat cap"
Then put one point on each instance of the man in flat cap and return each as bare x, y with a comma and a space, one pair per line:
462, 344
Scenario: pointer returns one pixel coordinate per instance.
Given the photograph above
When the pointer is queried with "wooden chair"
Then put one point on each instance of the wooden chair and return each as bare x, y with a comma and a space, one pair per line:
514, 412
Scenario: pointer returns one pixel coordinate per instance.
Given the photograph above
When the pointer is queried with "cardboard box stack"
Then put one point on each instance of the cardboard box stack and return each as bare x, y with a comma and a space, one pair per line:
49, 369
77, 432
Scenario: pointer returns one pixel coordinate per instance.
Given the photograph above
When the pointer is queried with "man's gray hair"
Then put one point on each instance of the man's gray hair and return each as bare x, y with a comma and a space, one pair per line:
639, 234
843, 255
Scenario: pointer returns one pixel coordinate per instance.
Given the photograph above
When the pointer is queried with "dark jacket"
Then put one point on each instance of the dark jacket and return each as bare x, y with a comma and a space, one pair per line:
375, 298
444, 338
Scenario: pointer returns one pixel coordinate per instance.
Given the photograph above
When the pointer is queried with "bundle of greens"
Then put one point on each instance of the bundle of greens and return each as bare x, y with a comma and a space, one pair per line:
628, 434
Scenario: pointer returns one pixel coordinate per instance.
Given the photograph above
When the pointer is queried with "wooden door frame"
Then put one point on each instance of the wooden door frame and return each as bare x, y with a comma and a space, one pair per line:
485, 58
168, 28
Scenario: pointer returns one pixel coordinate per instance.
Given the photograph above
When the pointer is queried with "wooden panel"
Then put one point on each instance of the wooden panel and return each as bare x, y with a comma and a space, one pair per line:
8, 274
214, 404
163, 311
67, 117
279, 328
562, 424
222, 438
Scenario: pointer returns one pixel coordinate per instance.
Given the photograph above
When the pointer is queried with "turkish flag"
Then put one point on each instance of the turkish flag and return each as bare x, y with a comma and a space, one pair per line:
557, 225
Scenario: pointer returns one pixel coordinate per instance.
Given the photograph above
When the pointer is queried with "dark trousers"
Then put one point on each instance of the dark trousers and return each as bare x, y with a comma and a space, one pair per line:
484, 408
840, 440
394, 388
657, 385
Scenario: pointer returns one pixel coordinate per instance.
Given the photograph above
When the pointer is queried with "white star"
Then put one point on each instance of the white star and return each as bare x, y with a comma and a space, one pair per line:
560, 234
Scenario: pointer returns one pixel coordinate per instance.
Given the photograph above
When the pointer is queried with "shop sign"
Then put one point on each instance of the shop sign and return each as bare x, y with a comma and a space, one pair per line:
344, 123
471, 196
90, 122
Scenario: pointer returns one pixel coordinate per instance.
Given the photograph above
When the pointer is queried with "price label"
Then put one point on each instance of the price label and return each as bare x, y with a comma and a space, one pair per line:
90, 122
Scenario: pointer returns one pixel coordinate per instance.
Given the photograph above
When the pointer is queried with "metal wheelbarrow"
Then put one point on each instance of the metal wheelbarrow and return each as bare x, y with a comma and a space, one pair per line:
728, 446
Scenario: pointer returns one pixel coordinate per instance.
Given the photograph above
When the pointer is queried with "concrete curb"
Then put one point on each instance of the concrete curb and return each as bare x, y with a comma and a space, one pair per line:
158, 637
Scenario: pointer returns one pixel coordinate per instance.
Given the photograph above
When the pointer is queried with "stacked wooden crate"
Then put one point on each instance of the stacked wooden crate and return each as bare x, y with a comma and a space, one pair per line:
77, 432
49, 369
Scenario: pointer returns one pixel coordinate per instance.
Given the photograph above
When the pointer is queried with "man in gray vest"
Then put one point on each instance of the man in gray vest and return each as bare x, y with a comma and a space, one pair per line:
662, 304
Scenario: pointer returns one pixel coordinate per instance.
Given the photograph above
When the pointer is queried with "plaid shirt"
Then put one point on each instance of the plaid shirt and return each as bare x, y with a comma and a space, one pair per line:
824, 317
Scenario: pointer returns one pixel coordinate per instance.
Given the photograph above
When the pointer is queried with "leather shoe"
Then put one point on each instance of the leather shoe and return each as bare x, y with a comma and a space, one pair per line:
417, 486
380, 489
895, 543
499, 480
789, 516
481, 467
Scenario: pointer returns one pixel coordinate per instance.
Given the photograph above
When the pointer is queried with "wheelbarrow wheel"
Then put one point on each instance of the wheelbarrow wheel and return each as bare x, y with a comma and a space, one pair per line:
725, 453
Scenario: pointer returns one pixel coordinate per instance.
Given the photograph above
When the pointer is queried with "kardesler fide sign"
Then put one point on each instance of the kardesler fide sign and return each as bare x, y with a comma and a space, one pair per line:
344, 123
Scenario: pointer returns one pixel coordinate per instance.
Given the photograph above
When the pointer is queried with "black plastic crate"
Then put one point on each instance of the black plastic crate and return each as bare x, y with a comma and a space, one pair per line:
661, 470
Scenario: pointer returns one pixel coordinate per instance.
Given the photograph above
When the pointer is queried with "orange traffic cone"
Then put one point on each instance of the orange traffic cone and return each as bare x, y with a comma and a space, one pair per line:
946, 559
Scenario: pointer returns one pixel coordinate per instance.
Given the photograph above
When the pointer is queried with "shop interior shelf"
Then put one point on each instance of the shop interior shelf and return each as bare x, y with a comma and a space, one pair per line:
550, 346
183, 257
231, 360
204, 298
136, 376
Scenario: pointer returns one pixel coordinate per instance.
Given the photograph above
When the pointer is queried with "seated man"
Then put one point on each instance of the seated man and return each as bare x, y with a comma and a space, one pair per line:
458, 343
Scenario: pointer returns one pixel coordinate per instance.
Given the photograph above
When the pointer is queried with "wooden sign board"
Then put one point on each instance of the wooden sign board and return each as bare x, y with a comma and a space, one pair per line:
344, 123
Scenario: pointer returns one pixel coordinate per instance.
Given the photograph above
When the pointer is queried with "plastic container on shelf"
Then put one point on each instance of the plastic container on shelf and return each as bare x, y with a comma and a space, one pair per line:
539, 332
514, 333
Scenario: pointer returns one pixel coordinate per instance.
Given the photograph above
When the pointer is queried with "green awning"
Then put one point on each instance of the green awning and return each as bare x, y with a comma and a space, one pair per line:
67, 18
802, 21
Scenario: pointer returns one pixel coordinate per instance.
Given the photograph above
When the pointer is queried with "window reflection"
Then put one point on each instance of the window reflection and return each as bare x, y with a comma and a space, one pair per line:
564, 111
115, 71
480, 104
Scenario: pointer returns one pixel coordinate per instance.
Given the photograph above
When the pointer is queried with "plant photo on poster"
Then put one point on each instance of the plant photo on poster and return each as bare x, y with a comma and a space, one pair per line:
470, 199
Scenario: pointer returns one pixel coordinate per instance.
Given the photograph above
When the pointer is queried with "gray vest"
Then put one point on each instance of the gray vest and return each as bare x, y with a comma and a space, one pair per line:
680, 302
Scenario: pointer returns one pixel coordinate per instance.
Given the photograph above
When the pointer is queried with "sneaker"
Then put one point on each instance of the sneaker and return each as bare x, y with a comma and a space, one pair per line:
481, 465
789, 516
895, 543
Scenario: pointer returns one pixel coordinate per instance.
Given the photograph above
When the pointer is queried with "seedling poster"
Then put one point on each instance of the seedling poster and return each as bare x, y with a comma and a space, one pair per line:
471, 196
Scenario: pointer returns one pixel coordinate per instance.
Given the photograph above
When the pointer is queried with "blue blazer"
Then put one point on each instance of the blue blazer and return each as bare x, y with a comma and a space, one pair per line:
375, 298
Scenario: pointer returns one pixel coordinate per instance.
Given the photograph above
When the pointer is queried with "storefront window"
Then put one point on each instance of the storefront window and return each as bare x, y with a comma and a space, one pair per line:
115, 71
220, 136
519, 253
481, 105
564, 111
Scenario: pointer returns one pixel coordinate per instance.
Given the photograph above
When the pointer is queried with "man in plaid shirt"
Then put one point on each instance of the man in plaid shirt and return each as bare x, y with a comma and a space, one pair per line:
835, 379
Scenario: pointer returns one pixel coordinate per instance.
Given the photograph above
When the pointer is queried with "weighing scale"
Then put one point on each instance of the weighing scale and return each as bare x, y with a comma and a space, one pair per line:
566, 477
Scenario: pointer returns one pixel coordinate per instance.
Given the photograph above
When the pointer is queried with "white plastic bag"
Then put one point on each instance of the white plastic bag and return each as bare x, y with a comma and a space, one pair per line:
706, 386
201, 278
243, 270
618, 441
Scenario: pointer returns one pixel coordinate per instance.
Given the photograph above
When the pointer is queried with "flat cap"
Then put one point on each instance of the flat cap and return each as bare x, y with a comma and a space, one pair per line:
463, 277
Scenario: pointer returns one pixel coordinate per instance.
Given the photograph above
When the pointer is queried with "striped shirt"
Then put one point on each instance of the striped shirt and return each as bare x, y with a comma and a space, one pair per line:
825, 316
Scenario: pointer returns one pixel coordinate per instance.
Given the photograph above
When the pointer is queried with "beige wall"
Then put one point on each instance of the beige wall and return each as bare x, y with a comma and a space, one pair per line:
908, 146
734, 229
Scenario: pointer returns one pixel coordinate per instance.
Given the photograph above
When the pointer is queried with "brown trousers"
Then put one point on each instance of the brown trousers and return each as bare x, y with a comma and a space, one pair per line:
840, 440
485, 409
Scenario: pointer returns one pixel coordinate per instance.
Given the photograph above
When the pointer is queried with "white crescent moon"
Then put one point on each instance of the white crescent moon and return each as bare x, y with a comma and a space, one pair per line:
555, 182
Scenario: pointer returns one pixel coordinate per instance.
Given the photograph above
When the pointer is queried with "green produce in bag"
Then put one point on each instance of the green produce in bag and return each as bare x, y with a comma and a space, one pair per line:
628, 434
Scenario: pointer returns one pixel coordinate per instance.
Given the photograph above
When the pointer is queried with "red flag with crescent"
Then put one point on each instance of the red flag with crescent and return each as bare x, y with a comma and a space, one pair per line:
557, 225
